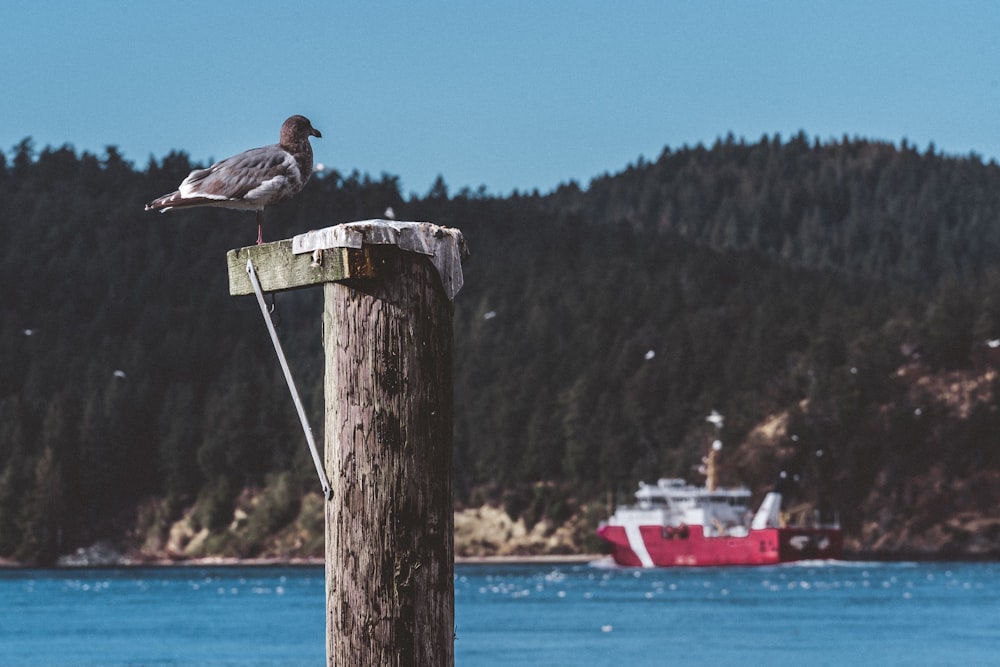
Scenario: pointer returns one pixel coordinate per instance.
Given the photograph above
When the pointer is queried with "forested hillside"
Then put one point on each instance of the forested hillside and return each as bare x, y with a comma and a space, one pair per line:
828, 284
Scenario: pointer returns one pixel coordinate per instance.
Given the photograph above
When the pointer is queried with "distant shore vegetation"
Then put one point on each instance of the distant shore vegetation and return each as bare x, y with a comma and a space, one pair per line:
598, 326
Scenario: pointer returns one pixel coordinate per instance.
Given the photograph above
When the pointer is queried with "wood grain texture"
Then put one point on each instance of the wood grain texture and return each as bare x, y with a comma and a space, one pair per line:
388, 389
278, 269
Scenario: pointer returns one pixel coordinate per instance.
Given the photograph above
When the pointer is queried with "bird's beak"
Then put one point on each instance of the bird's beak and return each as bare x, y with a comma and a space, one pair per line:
316, 133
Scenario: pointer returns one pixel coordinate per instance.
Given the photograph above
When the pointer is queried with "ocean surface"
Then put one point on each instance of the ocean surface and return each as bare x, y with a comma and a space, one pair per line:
831, 613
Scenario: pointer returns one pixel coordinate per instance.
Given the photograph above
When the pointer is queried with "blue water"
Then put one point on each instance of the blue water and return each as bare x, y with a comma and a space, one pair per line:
804, 614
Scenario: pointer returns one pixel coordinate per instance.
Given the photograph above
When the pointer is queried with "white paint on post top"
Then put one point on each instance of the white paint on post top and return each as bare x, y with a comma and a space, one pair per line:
445, 246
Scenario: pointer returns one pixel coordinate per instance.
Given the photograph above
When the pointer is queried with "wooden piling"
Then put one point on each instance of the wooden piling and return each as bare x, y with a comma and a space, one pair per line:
390, 558
387, 338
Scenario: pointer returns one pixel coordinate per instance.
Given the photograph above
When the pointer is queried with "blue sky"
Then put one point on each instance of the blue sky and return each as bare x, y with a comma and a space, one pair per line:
508, 94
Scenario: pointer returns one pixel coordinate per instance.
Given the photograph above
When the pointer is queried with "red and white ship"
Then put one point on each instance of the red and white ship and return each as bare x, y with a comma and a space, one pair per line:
674, 524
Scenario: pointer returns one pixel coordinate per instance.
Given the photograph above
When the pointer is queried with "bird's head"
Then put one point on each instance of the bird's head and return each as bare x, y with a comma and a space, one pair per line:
297, 129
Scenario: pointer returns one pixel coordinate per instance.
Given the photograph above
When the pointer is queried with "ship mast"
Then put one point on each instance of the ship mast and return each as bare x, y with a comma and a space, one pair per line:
712, 461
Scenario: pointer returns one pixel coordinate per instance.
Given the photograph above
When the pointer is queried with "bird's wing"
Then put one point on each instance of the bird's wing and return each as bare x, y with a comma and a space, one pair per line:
251, 175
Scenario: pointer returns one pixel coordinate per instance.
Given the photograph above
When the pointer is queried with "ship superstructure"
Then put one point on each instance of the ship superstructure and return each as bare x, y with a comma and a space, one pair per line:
676, 523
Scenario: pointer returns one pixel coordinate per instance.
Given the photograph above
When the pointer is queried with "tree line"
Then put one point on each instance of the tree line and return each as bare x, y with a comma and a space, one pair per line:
598, 326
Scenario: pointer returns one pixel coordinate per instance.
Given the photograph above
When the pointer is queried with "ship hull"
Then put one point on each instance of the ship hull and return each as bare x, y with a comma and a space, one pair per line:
662, 546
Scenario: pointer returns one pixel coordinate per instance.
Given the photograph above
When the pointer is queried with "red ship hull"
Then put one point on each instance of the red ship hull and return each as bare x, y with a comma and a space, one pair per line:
671, 547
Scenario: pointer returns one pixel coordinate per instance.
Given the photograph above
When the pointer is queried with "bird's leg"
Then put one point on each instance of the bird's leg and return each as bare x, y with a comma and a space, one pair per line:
260, 226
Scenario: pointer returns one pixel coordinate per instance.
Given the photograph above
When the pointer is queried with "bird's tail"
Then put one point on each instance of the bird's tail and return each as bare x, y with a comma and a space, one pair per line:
176, 200
164, 203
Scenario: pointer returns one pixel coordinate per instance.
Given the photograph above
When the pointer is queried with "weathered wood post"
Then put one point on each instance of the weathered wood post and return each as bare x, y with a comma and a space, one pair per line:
387, 338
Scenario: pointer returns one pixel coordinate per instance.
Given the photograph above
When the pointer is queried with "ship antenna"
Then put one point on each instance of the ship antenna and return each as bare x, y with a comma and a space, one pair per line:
711, 463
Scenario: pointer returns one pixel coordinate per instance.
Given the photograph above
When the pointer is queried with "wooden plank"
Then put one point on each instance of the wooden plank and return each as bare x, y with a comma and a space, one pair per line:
278, 269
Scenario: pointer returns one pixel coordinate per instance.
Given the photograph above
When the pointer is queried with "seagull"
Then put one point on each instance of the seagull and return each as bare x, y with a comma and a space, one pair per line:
253, 179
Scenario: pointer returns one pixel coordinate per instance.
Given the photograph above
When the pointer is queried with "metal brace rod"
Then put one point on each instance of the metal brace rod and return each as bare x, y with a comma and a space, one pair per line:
327, 491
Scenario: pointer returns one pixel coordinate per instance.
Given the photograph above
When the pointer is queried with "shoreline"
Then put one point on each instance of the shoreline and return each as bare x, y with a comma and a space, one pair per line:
7, 564
225, 561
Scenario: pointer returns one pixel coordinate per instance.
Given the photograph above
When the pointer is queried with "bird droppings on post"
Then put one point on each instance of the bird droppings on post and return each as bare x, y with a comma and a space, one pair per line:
346, 252
252, 180
445, 246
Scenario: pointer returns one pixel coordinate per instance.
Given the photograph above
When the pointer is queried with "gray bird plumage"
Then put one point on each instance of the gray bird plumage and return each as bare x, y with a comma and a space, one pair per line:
252, 180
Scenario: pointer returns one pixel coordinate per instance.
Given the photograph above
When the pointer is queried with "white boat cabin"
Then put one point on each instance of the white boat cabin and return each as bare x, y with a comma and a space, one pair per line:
721, 511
